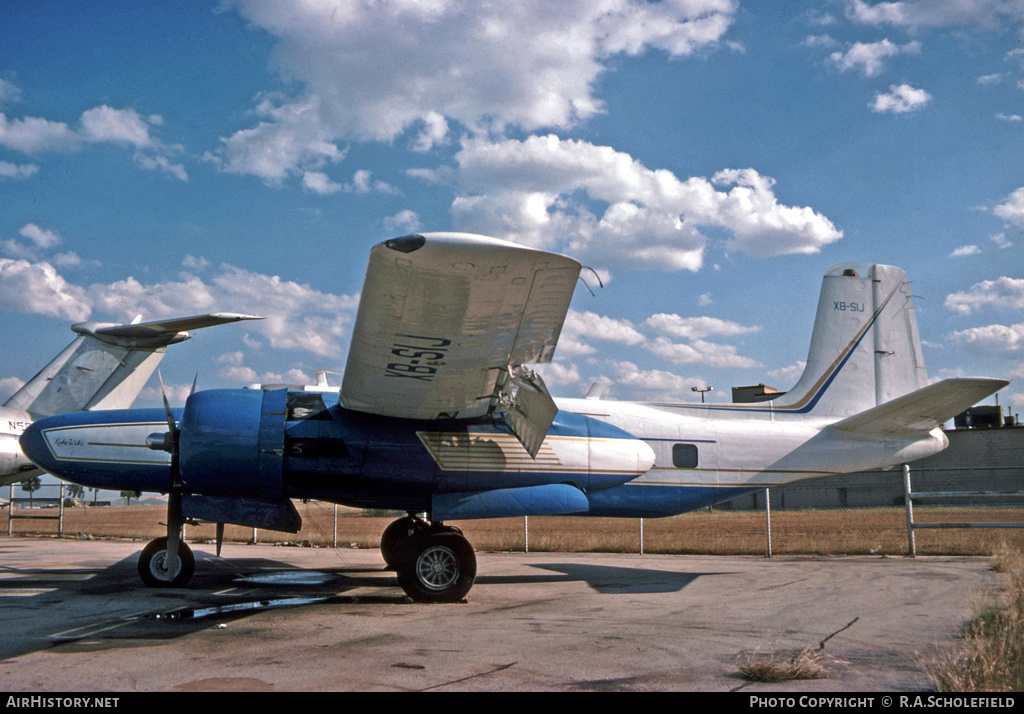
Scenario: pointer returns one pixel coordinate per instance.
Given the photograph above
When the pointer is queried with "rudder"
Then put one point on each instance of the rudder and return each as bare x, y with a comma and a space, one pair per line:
865, 348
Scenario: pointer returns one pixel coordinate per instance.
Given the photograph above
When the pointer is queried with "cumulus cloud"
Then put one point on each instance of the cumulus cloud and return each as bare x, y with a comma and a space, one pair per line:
695, 327
16, 171
293, 141
1004, 291
99, 125
699, 352
921, 14
119, 126
900, 99
787, 376
39, 288
1012, 209
653, 383
583, 328
298, 317
1002, 338
869, 57
371, 71
41, 237
405, 220
964, 251
600, 327
36, 241
602, 205
31, 135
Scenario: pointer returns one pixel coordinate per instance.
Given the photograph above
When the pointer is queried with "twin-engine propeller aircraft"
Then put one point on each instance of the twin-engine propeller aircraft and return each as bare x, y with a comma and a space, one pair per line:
438, 416
105, 367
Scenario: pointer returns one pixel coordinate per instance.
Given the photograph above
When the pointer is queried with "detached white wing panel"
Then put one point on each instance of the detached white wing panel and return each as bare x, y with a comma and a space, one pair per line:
443, 315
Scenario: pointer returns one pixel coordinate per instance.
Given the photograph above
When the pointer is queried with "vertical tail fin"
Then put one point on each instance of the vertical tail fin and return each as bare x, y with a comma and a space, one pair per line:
865, 348
107, 365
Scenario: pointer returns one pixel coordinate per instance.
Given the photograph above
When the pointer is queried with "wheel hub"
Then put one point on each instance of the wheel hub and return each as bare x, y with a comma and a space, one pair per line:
438, 568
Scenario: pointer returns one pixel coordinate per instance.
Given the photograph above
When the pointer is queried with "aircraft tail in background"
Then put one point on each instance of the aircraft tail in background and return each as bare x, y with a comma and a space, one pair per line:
865, 348
107, 365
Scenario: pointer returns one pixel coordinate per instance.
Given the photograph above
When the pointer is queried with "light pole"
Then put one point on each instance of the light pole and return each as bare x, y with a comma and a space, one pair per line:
697, 389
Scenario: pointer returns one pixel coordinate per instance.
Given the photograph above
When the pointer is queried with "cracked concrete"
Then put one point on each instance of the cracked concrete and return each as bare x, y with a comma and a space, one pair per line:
77, 619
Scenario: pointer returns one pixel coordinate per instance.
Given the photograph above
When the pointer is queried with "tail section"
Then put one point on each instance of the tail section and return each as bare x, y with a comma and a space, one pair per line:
865, 348
107, 365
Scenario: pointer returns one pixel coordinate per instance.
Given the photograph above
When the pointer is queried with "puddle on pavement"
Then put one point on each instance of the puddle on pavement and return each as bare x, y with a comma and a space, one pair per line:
288, 577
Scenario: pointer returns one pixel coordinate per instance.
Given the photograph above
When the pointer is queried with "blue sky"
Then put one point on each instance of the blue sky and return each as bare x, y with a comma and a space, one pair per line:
710, 159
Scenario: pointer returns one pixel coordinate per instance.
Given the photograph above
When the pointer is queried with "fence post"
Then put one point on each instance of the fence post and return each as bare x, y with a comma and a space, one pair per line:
641, 536
908, 501
526, 534
60, 517
768, 521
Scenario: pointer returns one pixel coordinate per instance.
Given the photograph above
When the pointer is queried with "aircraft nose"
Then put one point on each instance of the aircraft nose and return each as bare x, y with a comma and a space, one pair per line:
100, 449
33, 446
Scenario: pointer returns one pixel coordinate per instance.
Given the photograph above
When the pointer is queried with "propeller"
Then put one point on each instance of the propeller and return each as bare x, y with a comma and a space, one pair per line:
170, 442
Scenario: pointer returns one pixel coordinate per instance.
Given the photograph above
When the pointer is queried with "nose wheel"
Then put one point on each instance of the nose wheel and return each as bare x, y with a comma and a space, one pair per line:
157, 570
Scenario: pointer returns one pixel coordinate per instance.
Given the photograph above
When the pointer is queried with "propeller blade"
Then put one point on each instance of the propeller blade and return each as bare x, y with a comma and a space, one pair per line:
172, 425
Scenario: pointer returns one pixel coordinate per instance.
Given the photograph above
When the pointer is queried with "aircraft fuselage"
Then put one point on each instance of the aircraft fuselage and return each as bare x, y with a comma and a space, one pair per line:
705, 454
14, 465
626, 459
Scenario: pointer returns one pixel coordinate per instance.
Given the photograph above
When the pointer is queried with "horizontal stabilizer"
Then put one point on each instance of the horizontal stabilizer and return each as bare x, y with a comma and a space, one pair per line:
922, 410
160, 330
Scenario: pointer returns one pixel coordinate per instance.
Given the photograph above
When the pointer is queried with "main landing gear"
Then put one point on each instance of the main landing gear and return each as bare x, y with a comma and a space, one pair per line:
435, 563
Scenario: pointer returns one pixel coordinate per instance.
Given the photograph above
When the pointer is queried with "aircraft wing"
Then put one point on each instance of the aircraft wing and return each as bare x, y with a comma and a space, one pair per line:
922, 410
445, 322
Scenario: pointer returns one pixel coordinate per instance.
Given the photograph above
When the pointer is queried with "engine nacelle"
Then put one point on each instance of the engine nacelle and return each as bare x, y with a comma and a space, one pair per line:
219, 447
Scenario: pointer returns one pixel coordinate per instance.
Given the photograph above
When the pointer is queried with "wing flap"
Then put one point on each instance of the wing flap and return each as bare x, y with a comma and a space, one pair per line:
443, 316
922, 410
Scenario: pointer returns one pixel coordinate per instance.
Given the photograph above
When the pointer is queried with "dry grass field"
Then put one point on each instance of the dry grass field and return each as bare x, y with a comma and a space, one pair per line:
877, 531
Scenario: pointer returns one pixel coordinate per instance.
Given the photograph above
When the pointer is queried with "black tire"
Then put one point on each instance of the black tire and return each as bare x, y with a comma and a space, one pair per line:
436, 567
151, 565
395, 535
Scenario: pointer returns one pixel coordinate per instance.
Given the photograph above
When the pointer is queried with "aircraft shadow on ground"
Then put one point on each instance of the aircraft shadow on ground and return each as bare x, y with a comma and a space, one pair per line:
605, 579
94, 608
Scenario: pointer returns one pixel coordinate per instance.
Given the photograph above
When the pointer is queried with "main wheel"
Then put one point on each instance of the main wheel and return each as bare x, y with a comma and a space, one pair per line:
395, 535
436, 567
153, 565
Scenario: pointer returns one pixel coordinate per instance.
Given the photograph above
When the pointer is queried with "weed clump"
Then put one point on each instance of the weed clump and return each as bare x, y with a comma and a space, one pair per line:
991, 654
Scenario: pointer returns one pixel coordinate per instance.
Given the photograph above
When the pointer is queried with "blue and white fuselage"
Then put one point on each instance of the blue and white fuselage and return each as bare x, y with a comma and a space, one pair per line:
439, 415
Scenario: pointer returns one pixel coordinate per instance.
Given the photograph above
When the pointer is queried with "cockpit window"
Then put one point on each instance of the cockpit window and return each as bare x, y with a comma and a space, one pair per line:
684, 456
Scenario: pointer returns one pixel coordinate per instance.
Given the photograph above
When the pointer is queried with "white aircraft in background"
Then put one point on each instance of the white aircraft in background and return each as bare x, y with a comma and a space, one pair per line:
105, 367
438, 416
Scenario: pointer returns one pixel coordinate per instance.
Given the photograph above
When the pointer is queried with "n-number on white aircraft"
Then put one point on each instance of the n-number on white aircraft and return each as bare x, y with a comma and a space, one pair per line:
439, 416
105, 367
